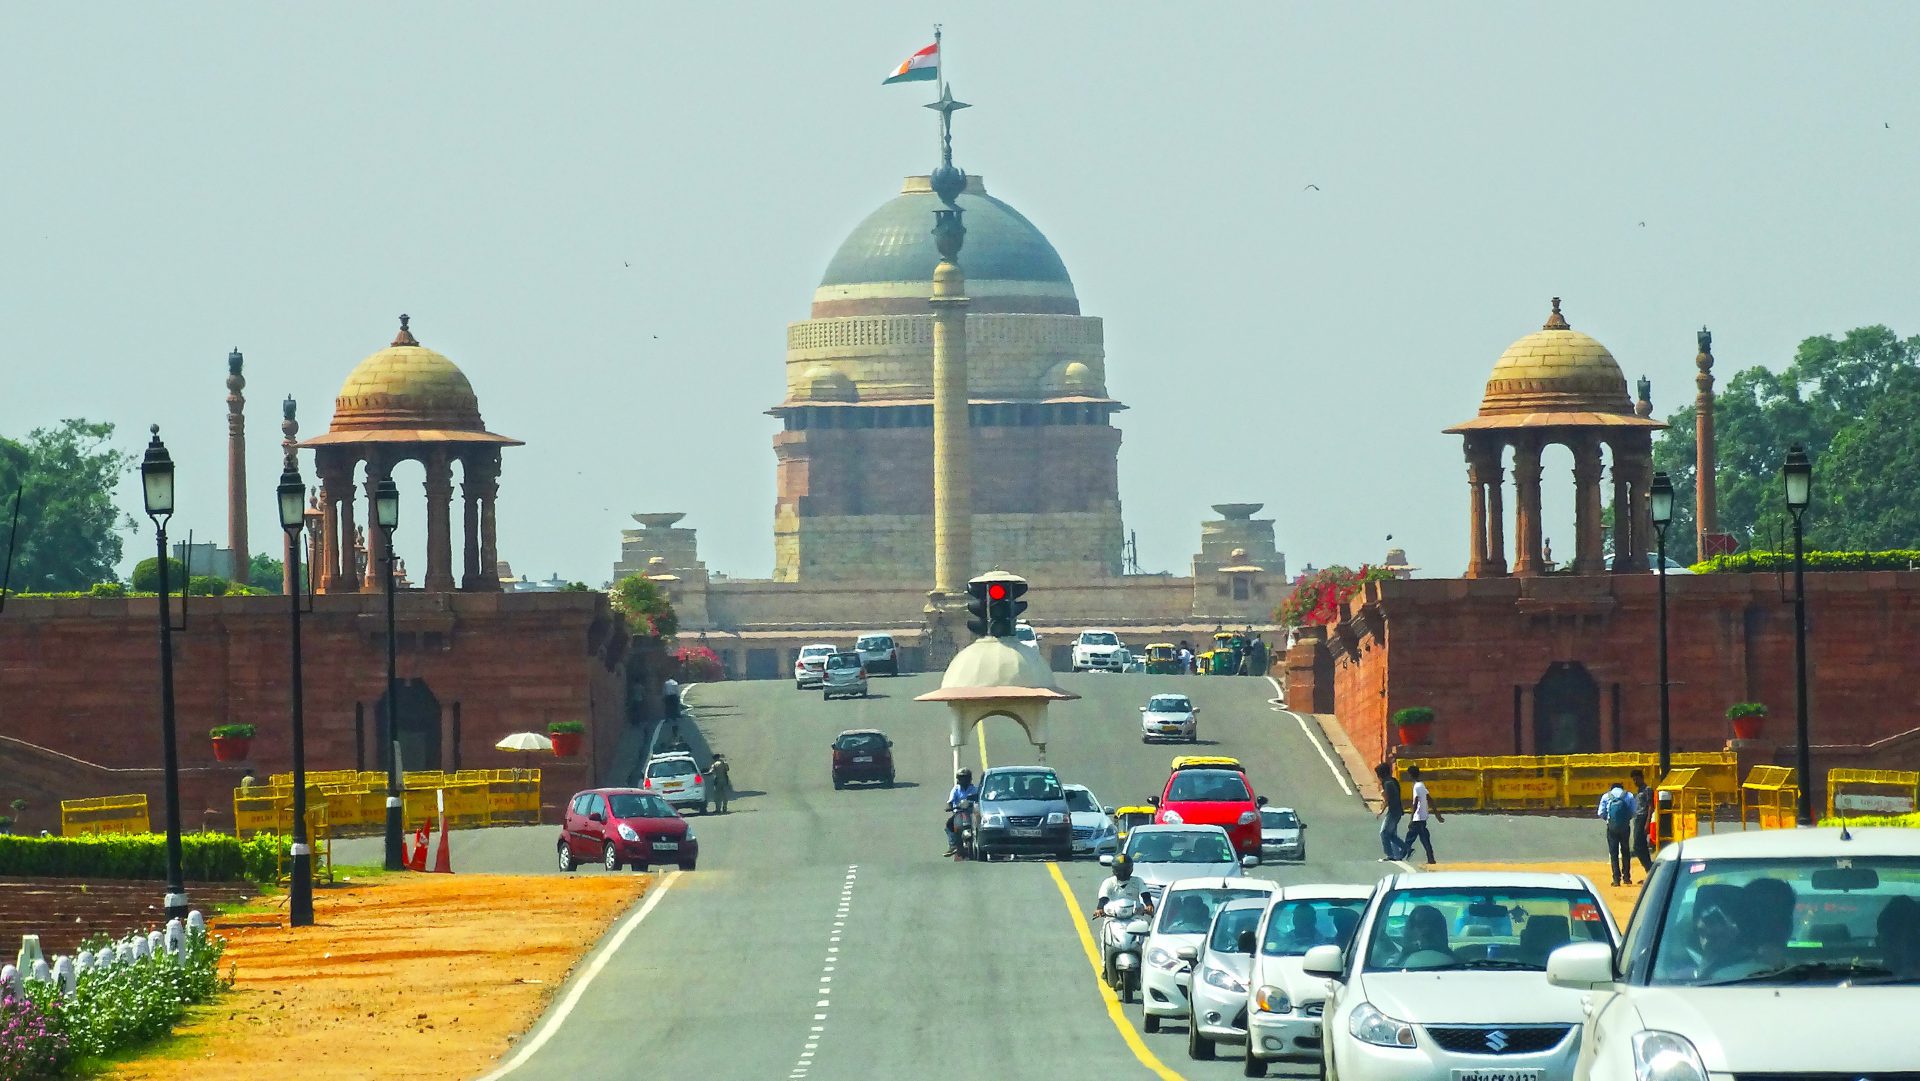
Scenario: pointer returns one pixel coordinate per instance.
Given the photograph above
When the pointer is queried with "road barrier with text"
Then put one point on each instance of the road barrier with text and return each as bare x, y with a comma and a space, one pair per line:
1557, 782
104, 814
354, 803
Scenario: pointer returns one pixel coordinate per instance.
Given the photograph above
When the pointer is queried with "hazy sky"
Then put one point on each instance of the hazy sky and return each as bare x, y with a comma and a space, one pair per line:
182, 179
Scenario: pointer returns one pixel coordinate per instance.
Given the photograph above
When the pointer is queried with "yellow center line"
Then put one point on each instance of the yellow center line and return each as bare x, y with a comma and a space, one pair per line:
1120, 1023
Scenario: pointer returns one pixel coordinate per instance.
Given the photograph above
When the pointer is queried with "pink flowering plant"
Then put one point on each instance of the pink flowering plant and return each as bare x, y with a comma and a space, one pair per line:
1318, 599
31, 1042
698, 664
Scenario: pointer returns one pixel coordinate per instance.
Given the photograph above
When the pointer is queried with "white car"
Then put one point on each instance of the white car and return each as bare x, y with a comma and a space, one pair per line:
1447, 979
1181, 918
1222, 965
1163, 855
1098, 651
1169, 717
676, 778
1814, 974
1283, 1020
810, 667
1093, 828
878, 653
1027, 634
1283, 836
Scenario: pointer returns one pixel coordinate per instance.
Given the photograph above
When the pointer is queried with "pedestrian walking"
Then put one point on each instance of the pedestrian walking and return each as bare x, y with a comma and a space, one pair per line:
1616, 809
1642, 812
1422, 811
1390, 842
670, 697
719, 782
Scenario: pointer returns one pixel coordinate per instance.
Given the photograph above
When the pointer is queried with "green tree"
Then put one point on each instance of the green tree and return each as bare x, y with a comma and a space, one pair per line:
646, 604
269, 575
1870, 468
69, 536
146, 575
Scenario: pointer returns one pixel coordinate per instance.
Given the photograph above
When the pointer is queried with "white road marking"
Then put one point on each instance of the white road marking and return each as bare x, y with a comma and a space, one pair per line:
1278, 694
1333, 767
816, 1033
559, 1015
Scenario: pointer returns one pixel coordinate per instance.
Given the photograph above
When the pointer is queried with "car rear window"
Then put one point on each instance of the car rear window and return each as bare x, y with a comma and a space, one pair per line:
878, 641
1209, 786
862, 741
673, 767
843, 660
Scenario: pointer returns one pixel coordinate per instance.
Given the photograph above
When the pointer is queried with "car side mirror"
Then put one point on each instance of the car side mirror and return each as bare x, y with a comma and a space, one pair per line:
1259, 801
1143, 709
1327, 961
1106, 860
597, 817
889, 745
1581, 966
1249, 861
1153, 801
1187, 953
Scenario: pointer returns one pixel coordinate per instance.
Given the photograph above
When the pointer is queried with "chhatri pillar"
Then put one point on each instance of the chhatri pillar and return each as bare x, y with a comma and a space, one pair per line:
1706, 512
290, 459
408, 402
1558, 385
241, 570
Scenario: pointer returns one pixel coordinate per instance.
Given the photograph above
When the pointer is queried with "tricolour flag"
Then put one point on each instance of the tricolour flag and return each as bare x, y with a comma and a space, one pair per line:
917, 68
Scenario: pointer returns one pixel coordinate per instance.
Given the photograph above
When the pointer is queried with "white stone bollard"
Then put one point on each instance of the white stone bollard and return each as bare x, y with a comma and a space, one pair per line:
196, 922
156, 943
83, 963
41, 972
65, 974
176, 939
123, 954
29, 953
140, 947
9, 978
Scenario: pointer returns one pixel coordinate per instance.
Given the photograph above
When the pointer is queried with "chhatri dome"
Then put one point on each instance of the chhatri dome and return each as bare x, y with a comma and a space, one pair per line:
1555, 377
407, 393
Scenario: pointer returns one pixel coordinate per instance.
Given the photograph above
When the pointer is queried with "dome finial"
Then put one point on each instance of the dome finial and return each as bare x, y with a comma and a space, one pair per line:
947, 180
405, 337
1556, 321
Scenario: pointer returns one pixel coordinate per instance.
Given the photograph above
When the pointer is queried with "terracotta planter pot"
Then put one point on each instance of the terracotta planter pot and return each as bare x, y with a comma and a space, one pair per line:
567, 744
1415, 734
1747, 727
231, 748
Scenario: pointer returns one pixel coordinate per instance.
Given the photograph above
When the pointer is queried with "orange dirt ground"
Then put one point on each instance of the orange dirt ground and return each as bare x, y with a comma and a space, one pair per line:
416, 976
1620, 899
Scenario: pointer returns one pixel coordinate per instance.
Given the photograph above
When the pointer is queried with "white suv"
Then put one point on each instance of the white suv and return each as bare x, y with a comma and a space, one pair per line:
1099, 651
878, 654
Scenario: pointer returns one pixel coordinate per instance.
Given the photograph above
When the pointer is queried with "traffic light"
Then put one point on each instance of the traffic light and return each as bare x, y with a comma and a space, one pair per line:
1006, 607
979, 607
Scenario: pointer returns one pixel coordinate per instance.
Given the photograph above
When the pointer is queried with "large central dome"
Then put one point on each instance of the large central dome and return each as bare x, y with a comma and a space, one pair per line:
886, 264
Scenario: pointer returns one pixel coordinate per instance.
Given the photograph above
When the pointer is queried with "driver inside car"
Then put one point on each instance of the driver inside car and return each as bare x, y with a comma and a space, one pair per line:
1425, 938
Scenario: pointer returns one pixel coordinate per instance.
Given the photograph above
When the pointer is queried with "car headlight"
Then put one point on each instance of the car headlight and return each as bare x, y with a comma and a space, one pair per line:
1369, 1025
1055, 818
994, 818
1171, 818
1160, 958
1666, 1056
689, 836
1271, 999
1224, 980
627, 832
1248, 818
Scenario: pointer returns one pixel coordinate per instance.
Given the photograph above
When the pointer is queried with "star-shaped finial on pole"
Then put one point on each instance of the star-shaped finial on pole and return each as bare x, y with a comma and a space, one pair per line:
948, 182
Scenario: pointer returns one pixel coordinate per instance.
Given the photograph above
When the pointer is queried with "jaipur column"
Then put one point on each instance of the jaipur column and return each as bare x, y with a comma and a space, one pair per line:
378, 469
470, 467
489, 548
1624, 542
1496, 562
439, 506
1642, 508
1476, 514
1588, 538
1527, 557
347, 576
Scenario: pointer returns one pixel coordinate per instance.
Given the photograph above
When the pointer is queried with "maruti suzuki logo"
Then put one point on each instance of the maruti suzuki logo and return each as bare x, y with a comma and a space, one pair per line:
1496, 1041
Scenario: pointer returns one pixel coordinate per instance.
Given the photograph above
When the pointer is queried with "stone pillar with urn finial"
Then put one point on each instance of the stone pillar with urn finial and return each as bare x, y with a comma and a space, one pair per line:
290, 457
1706, 510
242, 566
952, 432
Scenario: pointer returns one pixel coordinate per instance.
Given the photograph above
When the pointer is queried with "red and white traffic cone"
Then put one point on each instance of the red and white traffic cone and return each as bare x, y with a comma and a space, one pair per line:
442, 862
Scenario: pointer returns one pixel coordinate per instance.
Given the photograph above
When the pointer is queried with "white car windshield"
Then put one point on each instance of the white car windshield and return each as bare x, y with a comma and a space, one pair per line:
1179, 846
1483, 927
1099, 638
1024, 632
1208, 786
1188, 912
1011, 786
1229, 926
1802, 921
1298, 926
1169, 703
1079, 799
1278, 820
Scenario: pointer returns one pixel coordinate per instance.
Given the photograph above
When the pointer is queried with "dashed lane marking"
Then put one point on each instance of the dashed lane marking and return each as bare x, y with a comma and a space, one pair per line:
817, 1031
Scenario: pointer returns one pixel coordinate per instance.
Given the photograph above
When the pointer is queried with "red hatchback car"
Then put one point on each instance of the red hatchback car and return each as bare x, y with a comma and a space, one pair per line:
1213, 796
628, 827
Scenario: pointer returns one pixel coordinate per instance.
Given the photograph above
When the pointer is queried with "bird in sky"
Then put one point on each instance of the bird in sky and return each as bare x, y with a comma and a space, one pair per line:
626, 264
1315, 187
1643, 225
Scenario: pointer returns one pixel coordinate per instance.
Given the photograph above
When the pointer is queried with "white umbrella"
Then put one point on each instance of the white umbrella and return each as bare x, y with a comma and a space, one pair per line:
525, 741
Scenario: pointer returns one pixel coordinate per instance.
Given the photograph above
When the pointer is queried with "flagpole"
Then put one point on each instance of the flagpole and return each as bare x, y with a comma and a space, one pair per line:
939, 61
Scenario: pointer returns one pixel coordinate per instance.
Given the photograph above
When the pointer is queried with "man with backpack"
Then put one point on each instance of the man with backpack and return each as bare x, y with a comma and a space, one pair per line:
1616, 809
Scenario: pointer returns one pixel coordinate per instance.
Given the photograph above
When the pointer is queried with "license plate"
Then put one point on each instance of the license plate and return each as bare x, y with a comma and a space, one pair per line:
1496, 1075
863, 758
1025, 831
667, 845
1169, 728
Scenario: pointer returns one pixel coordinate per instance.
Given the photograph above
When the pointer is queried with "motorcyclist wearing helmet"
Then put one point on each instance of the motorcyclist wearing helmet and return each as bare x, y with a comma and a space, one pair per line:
1121, 885
963, 790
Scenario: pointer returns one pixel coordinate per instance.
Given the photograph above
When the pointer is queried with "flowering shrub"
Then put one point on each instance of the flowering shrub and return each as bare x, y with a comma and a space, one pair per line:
1318, 600
698, 664
30, 1045
111, 1009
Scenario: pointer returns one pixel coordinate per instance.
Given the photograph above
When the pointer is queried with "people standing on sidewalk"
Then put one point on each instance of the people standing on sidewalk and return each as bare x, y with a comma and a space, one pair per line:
1616, 809
719, 782
1642, 811
1422, 810
1390, 842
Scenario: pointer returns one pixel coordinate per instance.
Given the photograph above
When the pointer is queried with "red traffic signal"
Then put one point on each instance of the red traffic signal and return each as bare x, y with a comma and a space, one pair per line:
996, 591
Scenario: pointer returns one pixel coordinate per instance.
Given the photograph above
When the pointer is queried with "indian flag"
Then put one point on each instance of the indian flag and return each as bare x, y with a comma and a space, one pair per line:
918, 68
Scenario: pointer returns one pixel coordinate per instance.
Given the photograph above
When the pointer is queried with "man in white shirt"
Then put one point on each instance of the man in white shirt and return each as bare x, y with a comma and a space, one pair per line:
1422, 810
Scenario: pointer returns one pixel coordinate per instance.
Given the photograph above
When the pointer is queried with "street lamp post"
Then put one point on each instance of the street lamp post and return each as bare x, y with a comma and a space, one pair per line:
156, 483
1660, 502
1798, 474
293, 518
386, 512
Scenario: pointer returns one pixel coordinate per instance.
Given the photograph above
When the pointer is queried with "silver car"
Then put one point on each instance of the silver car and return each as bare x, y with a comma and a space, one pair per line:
1171, 717
1282, 835
1284, 1003
1222, 967
1180, 923
1163, 855
1093, 830
843, 676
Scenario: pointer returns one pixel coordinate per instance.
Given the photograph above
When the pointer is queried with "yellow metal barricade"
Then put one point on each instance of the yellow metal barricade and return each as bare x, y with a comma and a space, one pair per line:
1685, 800
1770, 796
1872, 792
104, 814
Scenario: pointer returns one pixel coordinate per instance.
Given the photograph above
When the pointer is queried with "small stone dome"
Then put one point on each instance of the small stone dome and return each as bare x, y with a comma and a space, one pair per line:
1069, 379
822, 384
992, 662
404, 392
1556, 369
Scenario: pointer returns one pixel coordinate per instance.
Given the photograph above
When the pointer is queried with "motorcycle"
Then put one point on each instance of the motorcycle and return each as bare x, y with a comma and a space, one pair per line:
960, 826
1124, 934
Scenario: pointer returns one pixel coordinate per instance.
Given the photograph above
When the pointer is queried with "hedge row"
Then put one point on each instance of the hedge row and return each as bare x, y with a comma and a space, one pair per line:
1906, 821
204, 857
1901, 559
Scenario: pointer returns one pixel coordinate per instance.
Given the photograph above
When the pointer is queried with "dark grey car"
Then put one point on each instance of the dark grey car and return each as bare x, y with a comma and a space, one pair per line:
1022, 809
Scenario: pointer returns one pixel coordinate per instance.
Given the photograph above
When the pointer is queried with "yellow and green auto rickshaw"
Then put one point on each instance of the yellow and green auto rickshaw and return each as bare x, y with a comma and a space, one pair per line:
1224, 658
1125, 818
1163, 659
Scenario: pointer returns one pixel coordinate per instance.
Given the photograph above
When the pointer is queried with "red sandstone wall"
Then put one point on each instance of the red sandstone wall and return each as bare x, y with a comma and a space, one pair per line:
82, 677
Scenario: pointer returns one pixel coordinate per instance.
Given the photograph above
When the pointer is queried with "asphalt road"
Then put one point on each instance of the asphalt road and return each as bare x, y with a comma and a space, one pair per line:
824, 936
